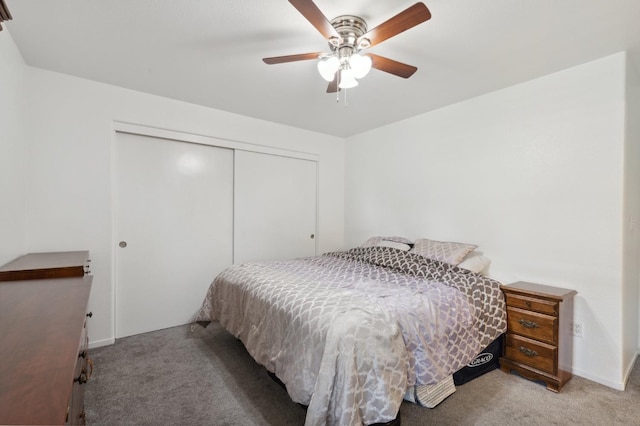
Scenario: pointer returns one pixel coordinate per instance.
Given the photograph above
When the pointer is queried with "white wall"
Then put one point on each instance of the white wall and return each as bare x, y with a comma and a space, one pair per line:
533, 174
13, 149
70, 191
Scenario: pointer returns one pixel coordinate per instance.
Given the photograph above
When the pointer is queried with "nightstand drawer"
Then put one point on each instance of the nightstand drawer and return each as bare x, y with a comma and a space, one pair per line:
549, 307
532, 324
531, 352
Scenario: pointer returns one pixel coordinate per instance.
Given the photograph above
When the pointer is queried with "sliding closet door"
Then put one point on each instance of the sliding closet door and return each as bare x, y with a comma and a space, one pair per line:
275, 207
174, 229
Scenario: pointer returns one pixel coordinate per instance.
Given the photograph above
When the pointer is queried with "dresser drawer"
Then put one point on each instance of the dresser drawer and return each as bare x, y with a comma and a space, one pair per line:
532, 324
549, 307
76, 414
40, 266
531, 352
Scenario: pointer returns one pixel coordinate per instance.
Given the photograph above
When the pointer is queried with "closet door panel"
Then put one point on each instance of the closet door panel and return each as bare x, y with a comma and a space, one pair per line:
275, 207
174, 229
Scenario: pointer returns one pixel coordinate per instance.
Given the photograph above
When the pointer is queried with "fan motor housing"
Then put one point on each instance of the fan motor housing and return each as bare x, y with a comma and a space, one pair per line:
350, 28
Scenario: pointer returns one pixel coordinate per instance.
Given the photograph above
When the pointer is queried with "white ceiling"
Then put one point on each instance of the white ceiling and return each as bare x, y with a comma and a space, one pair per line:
209, 52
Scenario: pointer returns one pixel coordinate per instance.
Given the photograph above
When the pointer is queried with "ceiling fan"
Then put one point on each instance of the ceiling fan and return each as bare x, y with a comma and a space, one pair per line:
348, 35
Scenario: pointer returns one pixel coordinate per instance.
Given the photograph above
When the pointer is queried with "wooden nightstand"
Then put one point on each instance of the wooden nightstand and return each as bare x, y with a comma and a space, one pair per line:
538, 344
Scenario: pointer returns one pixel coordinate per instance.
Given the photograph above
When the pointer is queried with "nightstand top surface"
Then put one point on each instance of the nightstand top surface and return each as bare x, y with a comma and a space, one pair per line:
538, 289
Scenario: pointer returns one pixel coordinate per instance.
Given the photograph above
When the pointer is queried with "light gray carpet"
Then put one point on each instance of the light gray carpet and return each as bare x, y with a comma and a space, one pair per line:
205, 377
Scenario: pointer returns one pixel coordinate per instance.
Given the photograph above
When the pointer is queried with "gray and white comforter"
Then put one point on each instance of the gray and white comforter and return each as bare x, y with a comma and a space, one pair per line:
348, 332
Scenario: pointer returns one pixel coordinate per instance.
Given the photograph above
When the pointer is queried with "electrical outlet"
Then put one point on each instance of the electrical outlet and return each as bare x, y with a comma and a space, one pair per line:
577, 329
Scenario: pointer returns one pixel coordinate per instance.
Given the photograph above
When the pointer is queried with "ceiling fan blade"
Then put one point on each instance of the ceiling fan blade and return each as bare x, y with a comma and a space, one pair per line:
403, 21
292, 58
333, 85
392, 67
309, 10
5, 15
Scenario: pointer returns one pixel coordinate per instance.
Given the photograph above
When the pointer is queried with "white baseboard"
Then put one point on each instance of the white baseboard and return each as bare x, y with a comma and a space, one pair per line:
609, 383
104, 342
605, 382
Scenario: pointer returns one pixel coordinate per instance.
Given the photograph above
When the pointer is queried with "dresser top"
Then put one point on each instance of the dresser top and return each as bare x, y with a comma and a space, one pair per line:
33, 261
524, 287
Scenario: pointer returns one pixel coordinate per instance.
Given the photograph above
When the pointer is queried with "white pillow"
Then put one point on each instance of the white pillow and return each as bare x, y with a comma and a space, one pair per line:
394, 244
375, 241
475, 262
444, 251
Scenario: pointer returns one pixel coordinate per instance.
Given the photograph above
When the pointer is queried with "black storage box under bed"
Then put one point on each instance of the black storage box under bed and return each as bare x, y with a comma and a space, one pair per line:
485, 361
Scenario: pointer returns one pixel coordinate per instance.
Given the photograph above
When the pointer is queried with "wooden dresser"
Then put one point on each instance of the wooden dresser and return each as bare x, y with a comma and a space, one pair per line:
538, 344
44, 361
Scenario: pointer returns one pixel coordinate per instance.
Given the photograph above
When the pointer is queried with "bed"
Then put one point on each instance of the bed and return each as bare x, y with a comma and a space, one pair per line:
351, 333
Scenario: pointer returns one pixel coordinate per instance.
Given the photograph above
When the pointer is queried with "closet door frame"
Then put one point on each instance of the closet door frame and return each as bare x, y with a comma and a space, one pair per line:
137, 129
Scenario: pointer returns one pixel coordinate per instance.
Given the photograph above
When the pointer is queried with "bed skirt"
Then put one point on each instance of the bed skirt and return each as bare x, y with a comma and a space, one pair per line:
431, 395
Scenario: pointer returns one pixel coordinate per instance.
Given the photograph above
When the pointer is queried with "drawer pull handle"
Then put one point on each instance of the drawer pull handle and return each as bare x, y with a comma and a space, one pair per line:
82, 378
90, 364
83, 354
527, 323
528, 352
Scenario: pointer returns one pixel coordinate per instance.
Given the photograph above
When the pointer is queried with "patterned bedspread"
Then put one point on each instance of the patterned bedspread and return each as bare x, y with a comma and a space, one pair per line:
348, 332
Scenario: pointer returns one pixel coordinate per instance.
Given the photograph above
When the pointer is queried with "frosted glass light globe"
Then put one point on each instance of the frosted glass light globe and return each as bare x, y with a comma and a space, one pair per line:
347, 80
360, 65
328, 67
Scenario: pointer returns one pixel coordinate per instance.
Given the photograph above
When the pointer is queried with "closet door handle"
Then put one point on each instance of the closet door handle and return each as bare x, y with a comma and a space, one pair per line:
122, 244
312, 236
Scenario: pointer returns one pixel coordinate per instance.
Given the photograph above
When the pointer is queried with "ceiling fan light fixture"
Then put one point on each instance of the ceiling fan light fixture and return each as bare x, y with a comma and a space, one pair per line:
347, 36
360, 65
328, 67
